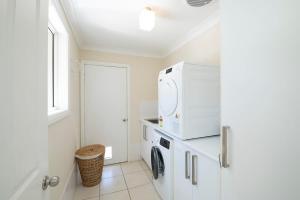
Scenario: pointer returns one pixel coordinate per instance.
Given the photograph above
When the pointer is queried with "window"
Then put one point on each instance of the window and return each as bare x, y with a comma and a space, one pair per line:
58, 69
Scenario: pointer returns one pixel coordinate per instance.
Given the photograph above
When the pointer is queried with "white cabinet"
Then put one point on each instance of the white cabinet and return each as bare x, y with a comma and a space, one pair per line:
146, 144
195, 175
182, 174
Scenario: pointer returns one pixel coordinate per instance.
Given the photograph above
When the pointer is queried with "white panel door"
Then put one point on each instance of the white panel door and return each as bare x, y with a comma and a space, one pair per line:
105, 110
261, 99
23, 97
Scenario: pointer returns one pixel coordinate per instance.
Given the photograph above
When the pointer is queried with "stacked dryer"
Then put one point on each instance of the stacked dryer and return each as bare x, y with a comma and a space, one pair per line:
189, 107
189, 100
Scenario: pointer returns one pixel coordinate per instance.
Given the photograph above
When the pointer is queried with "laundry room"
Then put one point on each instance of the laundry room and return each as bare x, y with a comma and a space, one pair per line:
149, 100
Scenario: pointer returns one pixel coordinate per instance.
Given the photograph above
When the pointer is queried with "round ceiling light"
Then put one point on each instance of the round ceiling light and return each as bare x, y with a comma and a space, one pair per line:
147, 19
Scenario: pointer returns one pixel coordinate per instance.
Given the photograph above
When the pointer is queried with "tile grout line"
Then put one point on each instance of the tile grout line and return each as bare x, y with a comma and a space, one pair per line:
125, 182
113, 192
119, 165
143, 169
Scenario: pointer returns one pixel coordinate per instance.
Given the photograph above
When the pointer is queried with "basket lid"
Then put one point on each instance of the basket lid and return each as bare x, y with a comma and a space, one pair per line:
90, 152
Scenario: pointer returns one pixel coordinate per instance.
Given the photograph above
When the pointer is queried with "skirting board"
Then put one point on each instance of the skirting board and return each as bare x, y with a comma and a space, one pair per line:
70, 186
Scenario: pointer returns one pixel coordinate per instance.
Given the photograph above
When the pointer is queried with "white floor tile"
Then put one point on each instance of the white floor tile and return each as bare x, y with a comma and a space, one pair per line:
114, 187
86, 192
111, 171
130, 167
122, 195
114, 184
144, 165
145, 192
149, 174
136, 179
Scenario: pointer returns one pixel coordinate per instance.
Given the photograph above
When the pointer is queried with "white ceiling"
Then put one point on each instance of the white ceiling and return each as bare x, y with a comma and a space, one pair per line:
113, 25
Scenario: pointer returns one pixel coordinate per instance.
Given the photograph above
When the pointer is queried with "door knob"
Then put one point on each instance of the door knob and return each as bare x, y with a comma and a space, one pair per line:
124, 120
52, 182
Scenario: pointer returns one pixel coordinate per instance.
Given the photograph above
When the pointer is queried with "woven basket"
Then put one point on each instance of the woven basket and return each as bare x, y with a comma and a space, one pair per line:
90, 161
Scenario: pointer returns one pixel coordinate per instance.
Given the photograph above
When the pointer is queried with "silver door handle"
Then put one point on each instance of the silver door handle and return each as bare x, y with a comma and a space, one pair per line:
223, 159
52, 182
194, 170
187, 164
124, 119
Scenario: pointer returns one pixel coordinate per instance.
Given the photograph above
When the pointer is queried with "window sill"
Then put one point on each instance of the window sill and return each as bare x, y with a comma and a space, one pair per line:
57, 115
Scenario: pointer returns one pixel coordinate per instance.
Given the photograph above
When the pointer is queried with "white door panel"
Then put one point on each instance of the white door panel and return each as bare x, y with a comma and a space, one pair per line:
106, 109
23, 116
260, 99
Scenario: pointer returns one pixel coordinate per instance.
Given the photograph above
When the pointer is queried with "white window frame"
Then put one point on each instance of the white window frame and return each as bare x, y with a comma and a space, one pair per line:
61, 68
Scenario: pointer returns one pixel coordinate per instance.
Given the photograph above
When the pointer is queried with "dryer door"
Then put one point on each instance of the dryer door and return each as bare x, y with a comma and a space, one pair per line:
168, 96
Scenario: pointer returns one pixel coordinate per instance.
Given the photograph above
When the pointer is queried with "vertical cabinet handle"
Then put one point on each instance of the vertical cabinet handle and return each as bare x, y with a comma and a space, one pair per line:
144, 132
194, 169
223, 158
187, 164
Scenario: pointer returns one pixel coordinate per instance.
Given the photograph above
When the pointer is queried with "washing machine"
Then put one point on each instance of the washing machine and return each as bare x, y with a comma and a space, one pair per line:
162, 164
189, 100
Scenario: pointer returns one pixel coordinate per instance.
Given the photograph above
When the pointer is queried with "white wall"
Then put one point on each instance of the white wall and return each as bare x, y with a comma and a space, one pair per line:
203, 49
64, 135
261, 98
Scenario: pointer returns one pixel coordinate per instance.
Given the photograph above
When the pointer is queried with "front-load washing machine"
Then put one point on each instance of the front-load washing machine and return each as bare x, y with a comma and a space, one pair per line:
162, 164
189, 100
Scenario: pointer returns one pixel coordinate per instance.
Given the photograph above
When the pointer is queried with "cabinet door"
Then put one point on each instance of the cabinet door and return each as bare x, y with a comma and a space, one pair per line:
143, 141
205, 178
148, 145
182, 172
260, 99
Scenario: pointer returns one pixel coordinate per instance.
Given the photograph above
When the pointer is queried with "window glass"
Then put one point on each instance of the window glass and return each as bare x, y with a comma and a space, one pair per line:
58, 67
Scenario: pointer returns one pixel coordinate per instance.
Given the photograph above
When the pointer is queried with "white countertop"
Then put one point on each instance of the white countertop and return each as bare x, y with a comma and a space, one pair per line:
208, 146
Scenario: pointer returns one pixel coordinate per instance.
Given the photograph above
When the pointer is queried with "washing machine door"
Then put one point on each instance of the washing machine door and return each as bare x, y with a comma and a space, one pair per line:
168, 96
157, 162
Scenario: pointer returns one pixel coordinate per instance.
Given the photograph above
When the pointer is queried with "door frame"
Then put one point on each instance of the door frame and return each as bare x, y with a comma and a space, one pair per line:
82, 96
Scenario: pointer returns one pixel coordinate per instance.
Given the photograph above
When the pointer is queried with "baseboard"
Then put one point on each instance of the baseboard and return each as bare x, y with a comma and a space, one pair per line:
70, 186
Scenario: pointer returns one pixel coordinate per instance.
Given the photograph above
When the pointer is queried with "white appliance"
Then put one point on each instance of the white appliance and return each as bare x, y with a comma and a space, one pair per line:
163, 180
189, 100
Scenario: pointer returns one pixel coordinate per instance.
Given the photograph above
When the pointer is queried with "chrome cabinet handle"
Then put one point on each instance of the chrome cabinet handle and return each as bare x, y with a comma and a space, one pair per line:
144, 132
52, 182
124, 119
187, 164
194, 169
224, 147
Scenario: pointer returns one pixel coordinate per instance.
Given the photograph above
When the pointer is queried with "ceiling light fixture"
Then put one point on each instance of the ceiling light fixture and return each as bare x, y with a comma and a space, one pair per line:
147, 19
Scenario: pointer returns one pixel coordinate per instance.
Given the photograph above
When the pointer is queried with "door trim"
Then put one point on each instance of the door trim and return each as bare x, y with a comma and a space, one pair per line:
82, 96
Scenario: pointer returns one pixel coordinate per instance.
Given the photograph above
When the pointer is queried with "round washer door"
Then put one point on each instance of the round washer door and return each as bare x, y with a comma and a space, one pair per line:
168, 96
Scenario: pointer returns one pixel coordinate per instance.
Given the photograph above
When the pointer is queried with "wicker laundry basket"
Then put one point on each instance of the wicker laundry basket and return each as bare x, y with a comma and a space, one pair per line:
90, 161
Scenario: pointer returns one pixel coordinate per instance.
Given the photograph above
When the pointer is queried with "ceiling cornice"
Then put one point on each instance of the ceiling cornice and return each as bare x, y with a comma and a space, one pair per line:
208, 23
70, 13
